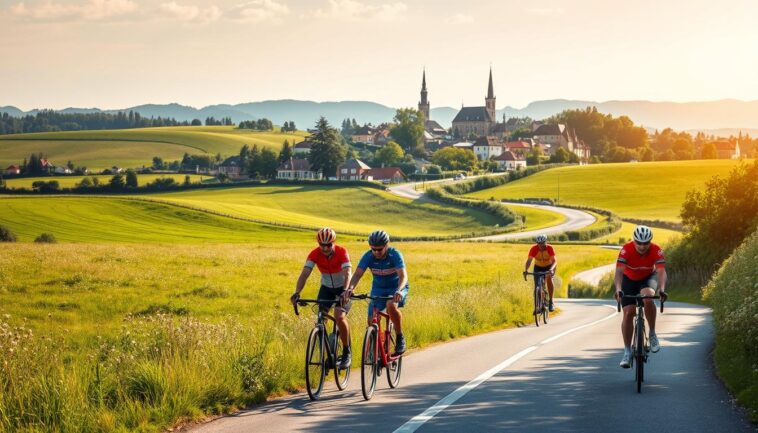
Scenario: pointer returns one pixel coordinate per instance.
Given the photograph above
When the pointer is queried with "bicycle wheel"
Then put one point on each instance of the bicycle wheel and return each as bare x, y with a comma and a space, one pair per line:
393, 367
640, 354
545, 311
537, 306
368, 363
315, 370
341, 375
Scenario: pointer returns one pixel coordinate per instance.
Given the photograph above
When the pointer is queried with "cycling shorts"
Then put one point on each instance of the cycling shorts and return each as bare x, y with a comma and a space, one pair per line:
382, 304
327, 293
633, 287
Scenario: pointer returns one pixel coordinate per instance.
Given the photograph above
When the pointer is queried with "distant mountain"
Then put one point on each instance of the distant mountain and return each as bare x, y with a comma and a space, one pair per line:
727, 115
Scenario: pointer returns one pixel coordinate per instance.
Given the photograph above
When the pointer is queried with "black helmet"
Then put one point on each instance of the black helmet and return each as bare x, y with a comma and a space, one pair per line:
378, 238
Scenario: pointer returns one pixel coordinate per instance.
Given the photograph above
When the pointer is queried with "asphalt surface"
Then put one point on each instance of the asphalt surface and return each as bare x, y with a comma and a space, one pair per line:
561, 377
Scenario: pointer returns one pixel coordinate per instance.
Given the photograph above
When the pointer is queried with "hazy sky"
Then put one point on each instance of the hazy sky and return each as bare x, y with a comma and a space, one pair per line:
120, 53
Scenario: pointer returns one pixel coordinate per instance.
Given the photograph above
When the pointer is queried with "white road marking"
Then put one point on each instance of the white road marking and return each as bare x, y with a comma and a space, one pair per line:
417, 421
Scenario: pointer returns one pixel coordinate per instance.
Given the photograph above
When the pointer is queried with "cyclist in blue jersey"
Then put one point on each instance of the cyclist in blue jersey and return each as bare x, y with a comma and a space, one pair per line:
389, 279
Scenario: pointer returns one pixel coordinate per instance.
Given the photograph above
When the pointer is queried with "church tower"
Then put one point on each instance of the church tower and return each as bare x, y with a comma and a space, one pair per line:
423, 105
489, 101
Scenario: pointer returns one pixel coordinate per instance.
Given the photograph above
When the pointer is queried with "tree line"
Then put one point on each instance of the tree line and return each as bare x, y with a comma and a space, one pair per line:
52, 121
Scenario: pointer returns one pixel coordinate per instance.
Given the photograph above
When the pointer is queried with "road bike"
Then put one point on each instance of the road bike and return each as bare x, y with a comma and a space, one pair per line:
540, 297
322, 349
640, 342
379, 350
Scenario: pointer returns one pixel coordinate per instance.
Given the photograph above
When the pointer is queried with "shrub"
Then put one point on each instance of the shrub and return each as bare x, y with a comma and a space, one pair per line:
6, 235
46, 238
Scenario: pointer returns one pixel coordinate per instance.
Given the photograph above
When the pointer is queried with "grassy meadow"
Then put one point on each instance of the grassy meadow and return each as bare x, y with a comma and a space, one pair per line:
136, 147
649, 190
537, 218
72, 181
351, 209
119, 337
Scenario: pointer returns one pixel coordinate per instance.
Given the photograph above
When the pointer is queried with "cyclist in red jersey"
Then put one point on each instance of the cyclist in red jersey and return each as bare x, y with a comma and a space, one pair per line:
640, 269
334, 264
543, 255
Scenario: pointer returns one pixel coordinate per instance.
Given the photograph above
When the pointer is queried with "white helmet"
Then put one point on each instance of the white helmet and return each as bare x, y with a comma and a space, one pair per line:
643, 234
540, 238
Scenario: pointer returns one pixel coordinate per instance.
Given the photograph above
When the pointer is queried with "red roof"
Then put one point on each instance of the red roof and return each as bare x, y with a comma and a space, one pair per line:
296, 164
385, 173
518, 145
508, 156
13, 167
725, 145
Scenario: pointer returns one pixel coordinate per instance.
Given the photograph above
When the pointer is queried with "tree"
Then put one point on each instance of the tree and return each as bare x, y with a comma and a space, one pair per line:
326, 153
709, 151
682, 148
6, 235
560, 156
84, 183
453, 158
187, 180
158, 163
269, 162
534, 157
117, 182
286, 153
253, 163
408, 130
131, 179
390, 154
196, 122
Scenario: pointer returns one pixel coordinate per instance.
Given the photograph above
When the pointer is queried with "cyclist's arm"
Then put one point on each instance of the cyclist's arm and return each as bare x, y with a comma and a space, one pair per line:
662, 276
306, 272
347, 274
528, 264
618, 278
354, 280
402, 279
554, 264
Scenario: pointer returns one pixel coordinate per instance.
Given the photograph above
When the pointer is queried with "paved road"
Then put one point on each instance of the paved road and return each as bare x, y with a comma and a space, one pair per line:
593, 276
408, 190
561, 377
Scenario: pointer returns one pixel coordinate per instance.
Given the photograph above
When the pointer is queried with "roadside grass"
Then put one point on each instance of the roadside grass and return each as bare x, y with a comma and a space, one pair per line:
650, 190
660, 236
351, 209
536, 218
104, 219
72, 181
136, 147
145, 337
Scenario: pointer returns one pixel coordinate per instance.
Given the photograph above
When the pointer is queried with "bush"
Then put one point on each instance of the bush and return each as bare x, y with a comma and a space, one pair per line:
46, 238
6, 235
42, 186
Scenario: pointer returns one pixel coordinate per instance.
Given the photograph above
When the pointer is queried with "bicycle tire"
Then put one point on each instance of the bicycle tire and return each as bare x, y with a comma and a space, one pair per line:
341, 375
537, 306
640, 354
315, 370
545, 310
369, 363
394, 368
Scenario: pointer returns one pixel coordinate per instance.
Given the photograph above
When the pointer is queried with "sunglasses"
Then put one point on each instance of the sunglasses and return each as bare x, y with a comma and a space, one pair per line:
376, 250
325, 245
642, 244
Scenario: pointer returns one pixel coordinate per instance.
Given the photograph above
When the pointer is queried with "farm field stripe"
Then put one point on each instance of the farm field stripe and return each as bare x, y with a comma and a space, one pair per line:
419, 420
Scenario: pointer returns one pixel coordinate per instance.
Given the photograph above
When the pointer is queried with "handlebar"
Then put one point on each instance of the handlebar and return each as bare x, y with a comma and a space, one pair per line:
304, 302
663, 300
536, 273
373, 298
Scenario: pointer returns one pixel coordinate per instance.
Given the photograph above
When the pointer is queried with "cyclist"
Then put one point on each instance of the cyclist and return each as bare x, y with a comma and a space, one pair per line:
640, 269
543, 255
334, 263
389, 279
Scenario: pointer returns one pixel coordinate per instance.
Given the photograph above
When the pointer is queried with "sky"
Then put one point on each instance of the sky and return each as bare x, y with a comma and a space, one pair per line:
120, 53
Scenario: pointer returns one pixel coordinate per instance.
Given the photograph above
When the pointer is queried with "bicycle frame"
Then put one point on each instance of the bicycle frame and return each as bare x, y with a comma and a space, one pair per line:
640, 342
540, 296
382, 335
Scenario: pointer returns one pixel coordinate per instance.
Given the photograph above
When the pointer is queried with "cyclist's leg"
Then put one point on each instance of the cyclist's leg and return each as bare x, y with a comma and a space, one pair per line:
393, 309
340, 316
651, 284
630, 288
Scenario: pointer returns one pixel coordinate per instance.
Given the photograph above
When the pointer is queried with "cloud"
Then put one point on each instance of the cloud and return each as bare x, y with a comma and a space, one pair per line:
90, 10
190, 13
351, 10
258, 11
460, 19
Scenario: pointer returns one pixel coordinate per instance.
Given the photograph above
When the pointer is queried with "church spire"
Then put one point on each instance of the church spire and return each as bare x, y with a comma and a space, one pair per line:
489, 101
490, 88
423, 105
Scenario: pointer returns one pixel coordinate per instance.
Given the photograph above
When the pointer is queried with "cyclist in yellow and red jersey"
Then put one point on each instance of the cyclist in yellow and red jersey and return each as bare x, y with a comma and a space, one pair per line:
543, 255
640, 269
334, 264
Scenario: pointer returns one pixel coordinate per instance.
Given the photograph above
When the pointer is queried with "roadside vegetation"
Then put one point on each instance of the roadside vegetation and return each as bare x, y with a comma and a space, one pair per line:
117, 337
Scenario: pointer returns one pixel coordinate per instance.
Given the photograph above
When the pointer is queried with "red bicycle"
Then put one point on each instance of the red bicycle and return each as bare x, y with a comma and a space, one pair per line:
378, 350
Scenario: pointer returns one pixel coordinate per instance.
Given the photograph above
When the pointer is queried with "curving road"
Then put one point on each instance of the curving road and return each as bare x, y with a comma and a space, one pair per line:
560, 377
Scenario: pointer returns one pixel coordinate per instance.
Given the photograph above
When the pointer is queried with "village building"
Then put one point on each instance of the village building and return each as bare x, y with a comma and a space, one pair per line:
364, 134
728, 150
387, 174
353, 169
487, 147
231, 167
13, 170
296, 168
509, 161
302, 149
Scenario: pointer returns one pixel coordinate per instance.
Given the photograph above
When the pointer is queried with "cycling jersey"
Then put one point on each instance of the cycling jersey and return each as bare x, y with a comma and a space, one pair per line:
384, 270
639, 266
542, 258
331, 266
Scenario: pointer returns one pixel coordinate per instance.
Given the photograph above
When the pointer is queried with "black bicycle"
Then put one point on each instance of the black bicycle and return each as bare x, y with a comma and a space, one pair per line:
321, 350
640, 342
540, 297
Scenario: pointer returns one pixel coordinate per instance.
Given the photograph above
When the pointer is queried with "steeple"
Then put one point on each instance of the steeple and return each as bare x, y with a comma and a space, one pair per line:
423, 105
489, 101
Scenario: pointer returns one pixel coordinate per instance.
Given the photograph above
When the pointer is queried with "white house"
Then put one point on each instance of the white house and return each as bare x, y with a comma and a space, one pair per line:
509, 161
487, 147
297, 169
302, 149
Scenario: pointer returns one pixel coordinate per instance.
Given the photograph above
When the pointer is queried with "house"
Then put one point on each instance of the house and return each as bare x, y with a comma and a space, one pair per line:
353, 169
13, 170
46, 165
387, 174
520, 147
231, 167
62, 170
556, 135
382, 135
583, 151
509, 161
487, 147
297, 169
364, 134
303, 148
727, 150
464, 145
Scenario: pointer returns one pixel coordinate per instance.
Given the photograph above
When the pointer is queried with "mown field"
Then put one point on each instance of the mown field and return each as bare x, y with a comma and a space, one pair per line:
352, 209
72, 181
136, 147
116, 337
650, 190
537, 218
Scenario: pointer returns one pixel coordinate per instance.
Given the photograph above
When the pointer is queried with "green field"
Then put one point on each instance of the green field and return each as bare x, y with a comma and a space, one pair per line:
650, 190
135, 147
352, 209
537, 218
103, 219
71, 181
